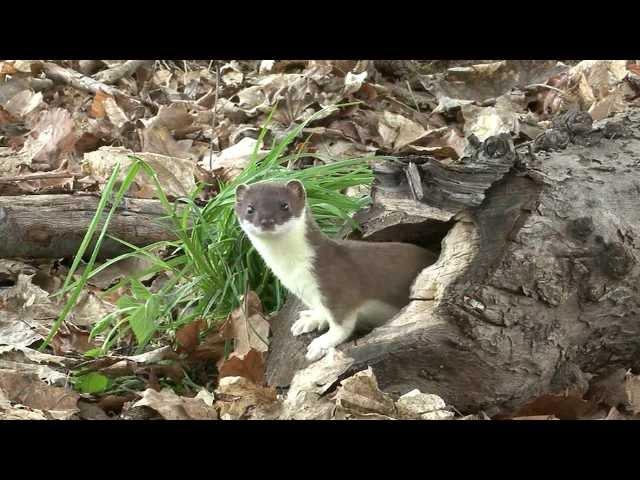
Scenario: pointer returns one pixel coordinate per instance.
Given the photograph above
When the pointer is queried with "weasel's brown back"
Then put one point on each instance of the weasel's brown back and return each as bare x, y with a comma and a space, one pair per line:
350, 272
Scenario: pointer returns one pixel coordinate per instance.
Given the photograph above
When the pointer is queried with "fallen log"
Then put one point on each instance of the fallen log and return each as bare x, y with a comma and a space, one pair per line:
536, 287
54, 225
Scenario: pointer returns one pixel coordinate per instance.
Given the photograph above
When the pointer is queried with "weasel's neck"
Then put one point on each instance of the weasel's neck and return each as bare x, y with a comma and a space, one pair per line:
291, 257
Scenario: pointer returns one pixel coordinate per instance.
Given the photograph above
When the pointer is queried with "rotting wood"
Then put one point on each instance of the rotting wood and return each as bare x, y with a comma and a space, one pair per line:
54, 225
536, 289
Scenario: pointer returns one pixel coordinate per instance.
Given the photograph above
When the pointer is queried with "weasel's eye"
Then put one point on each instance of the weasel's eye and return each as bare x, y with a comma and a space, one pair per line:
284, 206
250, 210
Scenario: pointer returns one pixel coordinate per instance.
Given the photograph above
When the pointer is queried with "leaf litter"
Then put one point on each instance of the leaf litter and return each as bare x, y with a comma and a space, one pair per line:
64, 125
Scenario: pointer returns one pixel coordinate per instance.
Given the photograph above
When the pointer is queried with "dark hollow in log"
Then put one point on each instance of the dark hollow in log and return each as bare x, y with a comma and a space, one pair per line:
54, 225
536, 287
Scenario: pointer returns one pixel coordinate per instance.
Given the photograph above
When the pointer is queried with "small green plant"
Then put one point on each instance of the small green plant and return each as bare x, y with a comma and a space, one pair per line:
211, 264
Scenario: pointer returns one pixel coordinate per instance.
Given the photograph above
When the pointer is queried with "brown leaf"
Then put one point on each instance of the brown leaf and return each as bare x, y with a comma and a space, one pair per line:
250, 327
173, 407
360, 394
177, 175
24, 103
237, 395
70, 339
29, 390
250, 365
158, 139
188, 336
53, 135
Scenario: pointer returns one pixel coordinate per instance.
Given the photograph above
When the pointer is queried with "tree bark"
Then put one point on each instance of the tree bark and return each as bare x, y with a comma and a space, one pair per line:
536, 287
54, 225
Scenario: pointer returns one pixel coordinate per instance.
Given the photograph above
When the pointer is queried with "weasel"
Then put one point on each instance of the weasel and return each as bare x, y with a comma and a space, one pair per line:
342, 282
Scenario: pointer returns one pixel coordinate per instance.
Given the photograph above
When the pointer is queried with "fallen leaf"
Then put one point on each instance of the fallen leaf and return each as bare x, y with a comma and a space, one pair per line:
483, 122
418, 405
306, 399
72, 340
230, 162
238, 395
249, 327
360, 394
97, 106
53, 135
24, 103
114, 113
397, 131
26, 313
29, 390
188, 336
173, 407
176, 175
250, 365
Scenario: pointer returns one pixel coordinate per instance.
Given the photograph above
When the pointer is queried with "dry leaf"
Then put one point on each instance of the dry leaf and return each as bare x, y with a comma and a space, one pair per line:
176, 175
23, 103
29, 390
249, 327
229, 163
398, 131
70, 340
418, 405
360, 394
114, 113
26, 313
53, 135
97, 106
483, 122
173, 407
188, 336
250, 365
237, 395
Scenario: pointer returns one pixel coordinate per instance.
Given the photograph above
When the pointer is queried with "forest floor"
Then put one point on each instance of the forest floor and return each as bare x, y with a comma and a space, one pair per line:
64, 125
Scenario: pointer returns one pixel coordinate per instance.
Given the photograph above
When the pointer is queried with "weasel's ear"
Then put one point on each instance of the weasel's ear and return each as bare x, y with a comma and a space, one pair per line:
241, 190
297, 188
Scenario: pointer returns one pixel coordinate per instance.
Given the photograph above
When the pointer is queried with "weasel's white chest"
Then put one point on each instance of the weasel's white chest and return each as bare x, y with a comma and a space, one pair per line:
290, 257
296, 274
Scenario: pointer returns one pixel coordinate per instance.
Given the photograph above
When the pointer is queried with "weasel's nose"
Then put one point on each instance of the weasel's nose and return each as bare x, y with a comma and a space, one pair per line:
267, 222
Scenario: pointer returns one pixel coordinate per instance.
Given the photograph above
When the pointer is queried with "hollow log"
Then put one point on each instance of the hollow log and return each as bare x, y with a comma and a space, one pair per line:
54, 225
535, 290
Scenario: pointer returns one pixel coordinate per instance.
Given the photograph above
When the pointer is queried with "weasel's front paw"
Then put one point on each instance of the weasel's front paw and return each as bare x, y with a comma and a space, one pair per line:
319, 347
315, 352
308, 321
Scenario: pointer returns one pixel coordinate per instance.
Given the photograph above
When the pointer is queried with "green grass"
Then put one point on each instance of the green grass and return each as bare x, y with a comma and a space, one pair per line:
211, 264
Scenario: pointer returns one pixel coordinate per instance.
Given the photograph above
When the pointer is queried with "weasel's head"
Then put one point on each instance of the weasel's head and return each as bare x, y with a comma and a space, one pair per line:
269, 209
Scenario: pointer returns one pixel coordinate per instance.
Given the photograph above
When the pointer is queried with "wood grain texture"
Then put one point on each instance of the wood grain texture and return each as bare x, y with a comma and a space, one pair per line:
54, 225
537, 286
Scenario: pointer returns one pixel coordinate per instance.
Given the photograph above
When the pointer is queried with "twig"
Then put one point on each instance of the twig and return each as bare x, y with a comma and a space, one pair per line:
126, 69
542, 85
84, 83
36, 176
413, 96
213, 120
